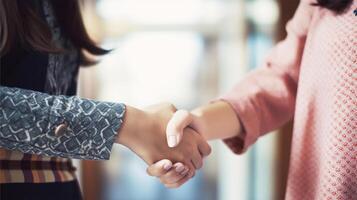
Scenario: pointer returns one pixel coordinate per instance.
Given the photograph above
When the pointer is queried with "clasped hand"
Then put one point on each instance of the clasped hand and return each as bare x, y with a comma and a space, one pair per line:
175, 175
148, 133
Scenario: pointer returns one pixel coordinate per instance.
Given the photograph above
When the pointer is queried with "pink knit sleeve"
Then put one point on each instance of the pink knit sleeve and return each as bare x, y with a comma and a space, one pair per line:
265, 98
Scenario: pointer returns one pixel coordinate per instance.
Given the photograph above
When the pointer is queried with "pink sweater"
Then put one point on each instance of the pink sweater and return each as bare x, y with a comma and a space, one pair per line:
310, 77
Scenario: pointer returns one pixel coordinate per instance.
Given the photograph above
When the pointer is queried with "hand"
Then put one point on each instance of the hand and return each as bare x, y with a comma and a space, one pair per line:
173, 176
144, 133
217, 120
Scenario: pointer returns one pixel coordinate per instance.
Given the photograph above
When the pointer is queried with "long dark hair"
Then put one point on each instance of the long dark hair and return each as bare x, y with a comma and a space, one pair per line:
337, 6
21, 25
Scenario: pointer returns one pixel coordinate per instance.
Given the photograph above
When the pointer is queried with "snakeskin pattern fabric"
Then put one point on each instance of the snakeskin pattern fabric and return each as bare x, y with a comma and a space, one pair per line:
28, 120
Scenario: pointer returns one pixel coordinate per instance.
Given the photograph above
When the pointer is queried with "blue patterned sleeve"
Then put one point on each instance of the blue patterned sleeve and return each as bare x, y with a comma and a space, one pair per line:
58, 126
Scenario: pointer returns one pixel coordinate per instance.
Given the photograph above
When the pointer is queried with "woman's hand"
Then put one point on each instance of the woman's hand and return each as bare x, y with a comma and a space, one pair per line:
144, 132
172, 176
213, 121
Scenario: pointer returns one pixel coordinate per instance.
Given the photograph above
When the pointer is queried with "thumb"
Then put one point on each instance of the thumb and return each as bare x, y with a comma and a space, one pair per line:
174, 130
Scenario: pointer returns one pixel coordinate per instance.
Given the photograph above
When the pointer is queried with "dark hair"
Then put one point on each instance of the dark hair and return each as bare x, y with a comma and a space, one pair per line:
21, 25
337, 6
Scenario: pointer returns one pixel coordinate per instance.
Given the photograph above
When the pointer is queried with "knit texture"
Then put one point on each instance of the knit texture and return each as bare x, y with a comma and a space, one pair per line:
310, 77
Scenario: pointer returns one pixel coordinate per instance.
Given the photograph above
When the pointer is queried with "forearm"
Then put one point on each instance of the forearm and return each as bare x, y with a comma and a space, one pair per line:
61, 126
216, 121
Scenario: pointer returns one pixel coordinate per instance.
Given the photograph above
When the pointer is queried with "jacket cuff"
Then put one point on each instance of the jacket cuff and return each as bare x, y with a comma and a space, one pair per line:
92, 133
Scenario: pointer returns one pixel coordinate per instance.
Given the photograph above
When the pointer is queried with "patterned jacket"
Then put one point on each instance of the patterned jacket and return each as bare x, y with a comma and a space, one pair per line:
70, 127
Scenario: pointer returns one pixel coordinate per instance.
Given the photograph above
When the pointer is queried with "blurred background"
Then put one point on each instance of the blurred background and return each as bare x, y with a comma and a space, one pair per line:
186, 52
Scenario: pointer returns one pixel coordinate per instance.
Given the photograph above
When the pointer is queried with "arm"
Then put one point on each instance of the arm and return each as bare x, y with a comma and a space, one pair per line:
265, 99
38, 123
214, 121
72, 127
261, 102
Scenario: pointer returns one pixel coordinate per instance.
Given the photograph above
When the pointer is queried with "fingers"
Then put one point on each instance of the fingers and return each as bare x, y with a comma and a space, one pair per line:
191, 168
175, 174
159, 168
179, 183
197, 160
181, 169
204, 148
190, 174
174, 131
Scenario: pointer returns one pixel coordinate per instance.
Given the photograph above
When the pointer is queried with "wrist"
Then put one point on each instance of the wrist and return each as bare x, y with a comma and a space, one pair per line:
136, 122
143, 131
217, 120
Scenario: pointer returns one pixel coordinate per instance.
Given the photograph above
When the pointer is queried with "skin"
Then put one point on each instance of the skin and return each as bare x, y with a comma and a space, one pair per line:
214, 121
144, 132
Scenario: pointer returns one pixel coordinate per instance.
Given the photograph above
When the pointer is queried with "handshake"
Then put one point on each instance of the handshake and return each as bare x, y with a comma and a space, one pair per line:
173, 143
